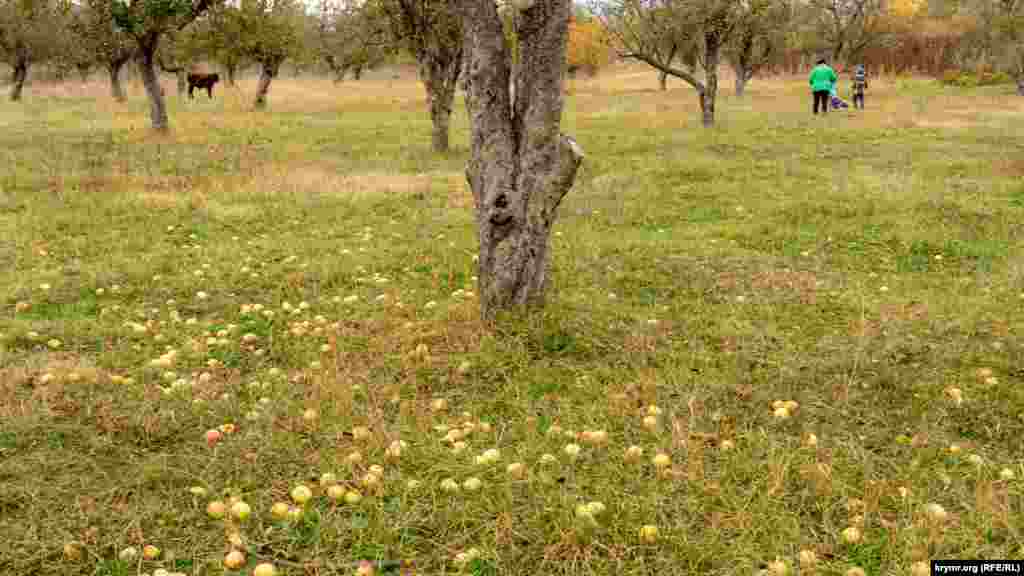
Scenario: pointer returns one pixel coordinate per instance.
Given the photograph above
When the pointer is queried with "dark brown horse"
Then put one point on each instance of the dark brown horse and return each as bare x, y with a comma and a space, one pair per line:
202, 81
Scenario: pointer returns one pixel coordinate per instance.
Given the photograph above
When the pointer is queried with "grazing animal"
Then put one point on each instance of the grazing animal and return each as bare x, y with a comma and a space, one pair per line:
202, 81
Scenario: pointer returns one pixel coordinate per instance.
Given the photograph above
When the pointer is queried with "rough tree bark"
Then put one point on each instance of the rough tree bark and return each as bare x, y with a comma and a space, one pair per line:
150, 81
440, 74
521, 166
268, 71
18, 77
464, 76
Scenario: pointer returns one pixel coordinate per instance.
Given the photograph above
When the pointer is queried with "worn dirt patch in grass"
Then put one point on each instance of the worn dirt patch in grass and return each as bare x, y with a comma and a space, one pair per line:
37, 384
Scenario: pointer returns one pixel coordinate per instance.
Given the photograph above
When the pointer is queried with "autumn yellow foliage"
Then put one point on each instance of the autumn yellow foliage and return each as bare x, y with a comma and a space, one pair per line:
588, 48
907, 8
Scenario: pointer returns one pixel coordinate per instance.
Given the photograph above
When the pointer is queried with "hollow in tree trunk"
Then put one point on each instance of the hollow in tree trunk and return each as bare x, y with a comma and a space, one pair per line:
440, 75
150, 81
268, 71
521, 166
116, 89
18, 77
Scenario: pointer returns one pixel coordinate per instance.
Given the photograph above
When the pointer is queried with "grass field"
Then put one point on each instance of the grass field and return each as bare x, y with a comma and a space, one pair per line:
312, 268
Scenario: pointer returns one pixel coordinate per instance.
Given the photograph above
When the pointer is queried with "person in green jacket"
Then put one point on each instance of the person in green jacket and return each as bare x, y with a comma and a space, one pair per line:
823, 80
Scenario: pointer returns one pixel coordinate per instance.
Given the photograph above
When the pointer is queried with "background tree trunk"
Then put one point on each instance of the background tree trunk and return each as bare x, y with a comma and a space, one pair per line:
742, 77
339, 69
268, 71
707, 108
147, 70
1020, 86
116, 90
521, 166
230, 71
663, 80
440, 77
742, 62
712, 51
837, 51
18, 77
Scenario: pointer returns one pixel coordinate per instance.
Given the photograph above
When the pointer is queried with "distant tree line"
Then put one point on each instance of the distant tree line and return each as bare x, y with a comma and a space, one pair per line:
690, 40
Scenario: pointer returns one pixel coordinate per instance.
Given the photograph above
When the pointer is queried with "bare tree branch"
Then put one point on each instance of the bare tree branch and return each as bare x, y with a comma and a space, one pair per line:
666, 68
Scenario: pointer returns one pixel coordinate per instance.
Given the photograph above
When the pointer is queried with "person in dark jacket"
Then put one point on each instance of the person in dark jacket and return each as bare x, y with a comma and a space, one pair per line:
860, 84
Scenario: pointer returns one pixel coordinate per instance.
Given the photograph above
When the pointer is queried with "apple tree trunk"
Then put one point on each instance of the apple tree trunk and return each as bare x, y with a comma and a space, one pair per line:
743, 76
268, 71
709, 93
521, 166
150, 81
439, 70
116, 88
18, 77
